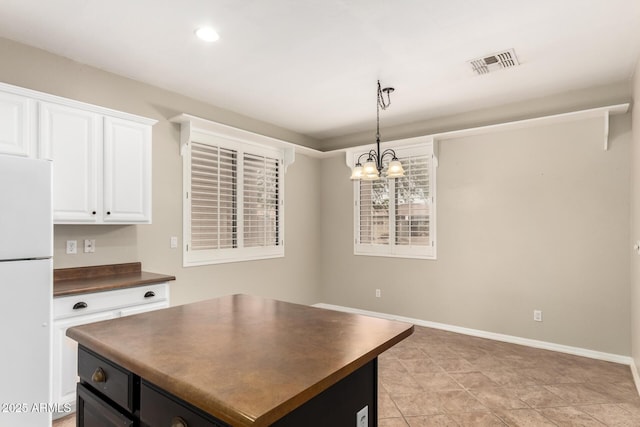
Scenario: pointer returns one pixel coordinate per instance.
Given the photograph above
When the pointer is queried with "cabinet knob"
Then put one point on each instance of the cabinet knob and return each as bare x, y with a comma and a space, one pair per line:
149, 294
99, 376
178, 422
108, 212
80, 305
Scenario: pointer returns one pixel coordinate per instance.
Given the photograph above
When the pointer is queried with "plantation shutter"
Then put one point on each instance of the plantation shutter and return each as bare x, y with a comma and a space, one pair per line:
374, 212
413, 203
213, 197
261, 201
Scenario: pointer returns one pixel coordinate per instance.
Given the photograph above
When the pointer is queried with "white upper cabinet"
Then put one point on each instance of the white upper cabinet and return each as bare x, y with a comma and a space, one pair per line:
72, 139
101, 157
127, 171
15, 125
101, 164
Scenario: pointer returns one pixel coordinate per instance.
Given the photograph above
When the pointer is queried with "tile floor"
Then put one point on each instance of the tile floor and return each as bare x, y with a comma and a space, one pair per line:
438, 378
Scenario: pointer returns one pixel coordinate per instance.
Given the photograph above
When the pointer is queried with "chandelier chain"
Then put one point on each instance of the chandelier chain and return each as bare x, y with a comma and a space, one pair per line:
382, 104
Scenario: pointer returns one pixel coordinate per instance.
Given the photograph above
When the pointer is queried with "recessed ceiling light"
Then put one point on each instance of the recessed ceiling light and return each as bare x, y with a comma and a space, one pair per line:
207, 34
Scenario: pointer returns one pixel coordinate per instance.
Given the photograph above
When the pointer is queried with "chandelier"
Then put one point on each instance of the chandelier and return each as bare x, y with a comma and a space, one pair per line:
372, 168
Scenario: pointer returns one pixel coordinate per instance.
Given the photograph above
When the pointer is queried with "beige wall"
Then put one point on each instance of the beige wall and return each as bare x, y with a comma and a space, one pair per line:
292, 278
635, 220
526, 219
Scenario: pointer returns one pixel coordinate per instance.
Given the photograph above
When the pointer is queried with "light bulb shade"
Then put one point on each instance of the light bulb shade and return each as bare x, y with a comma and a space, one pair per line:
370, 171
370, 168
357, 172
395, 169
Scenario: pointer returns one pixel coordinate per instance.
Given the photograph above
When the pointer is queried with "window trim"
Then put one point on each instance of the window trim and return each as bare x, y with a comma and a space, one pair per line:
211, 133
403, 148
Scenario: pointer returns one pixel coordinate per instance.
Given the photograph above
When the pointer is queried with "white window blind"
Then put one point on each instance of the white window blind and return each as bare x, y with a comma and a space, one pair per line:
374, 212
396, 217
213, 197
412, 203
261, 201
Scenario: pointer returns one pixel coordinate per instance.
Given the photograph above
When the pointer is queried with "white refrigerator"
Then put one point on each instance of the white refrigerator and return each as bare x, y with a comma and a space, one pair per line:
26, 298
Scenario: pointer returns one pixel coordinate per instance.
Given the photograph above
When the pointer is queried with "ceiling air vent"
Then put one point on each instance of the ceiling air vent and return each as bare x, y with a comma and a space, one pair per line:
494, 62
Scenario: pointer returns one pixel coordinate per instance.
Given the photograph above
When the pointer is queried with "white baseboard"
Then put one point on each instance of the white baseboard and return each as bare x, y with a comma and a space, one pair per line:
577, 351
634, 372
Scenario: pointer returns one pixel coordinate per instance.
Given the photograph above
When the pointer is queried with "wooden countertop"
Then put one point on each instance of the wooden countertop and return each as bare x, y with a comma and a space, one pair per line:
246, 360
79, 280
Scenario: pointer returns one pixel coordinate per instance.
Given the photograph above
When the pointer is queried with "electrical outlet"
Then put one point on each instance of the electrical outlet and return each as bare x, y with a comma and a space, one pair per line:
173, 242
537, 315
72, 247
362, 417
378, 294
89, 246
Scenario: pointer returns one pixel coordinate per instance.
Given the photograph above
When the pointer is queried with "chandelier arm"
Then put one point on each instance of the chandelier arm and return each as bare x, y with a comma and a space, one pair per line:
361, 156
381, 157
389, 151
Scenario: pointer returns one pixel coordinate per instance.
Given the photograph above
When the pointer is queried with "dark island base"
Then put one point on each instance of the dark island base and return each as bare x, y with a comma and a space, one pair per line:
339, 404
146, 405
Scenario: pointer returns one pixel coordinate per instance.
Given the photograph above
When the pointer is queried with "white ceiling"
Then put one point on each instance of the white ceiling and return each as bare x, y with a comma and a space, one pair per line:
311, 65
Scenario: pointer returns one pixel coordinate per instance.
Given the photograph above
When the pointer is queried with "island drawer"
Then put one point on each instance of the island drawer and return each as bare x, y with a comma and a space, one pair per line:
111, 380
158, 408
93, 411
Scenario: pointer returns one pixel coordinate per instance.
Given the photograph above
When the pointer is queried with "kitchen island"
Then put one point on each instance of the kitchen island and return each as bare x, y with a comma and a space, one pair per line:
233, 361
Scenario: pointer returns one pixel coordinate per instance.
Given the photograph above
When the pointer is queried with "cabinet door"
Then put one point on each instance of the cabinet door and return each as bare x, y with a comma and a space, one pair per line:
65, 356
158, 408
127, 171
15, 125
71, 138
94, 411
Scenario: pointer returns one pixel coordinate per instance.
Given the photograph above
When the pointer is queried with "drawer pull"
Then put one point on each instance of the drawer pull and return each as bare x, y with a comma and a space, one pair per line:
80, 305
178, 422
99, 376
149, 294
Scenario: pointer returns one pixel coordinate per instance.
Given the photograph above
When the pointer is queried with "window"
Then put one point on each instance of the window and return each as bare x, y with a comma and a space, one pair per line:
233, 200
396, 217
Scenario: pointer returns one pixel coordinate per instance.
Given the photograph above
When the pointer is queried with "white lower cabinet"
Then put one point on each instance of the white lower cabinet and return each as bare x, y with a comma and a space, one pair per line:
65, 356
86, 308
